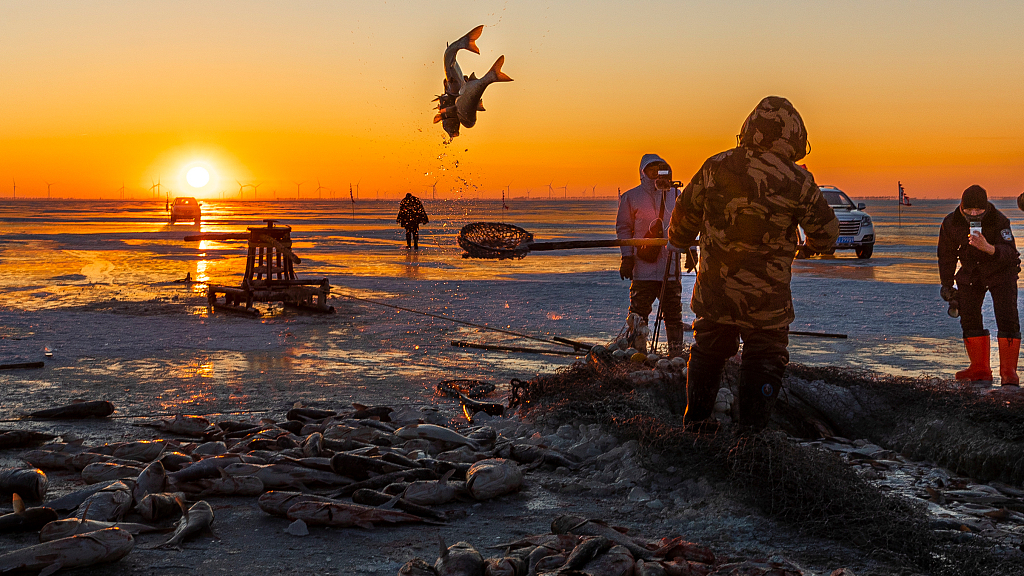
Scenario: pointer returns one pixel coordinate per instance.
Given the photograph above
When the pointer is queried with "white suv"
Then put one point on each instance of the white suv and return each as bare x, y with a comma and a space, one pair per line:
856, 232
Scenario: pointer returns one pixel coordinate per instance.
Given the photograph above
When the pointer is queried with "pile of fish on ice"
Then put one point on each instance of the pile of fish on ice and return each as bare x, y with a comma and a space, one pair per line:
577, 545
368, 465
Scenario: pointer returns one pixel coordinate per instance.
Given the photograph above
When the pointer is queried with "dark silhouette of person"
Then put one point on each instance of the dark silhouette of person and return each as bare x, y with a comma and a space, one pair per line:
410, 215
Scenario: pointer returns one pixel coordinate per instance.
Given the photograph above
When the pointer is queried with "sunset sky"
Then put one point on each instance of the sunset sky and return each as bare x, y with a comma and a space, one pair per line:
278, 93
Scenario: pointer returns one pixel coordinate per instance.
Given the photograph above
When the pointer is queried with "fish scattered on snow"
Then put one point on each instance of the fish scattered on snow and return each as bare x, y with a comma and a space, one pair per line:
73, 526
22, 438
195, 520
160, 505
101, 471
97, 547
277, 502
580, 526
77, 409
24, 518
223, 485
142, 450
493, 477
344, 515
431, 493
75, 499
369, 497
31, 483
417, 567
459, 559
108, 504
183, 424
434, 432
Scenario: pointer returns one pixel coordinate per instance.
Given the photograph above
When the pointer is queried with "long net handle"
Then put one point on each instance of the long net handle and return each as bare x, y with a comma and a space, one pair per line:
571, 244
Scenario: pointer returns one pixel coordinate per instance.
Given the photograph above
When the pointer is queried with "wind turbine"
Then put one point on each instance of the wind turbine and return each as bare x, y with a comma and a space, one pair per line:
255, 187
593, 191
433, 190
550, 190
565, 190
122, 190
527, 193
298, 189
157, 186
14, 192
240, 188
48, 184
319, 189
508, 190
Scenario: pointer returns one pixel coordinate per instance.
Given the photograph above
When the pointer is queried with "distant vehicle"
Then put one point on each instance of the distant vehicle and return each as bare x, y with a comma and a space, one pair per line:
856, 232
185, 208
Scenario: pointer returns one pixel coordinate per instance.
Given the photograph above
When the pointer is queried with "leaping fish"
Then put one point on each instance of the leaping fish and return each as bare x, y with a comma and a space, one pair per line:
469, 100
454, 78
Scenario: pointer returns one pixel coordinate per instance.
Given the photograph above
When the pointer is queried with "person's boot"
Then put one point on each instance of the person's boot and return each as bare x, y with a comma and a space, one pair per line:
978, 350
758, 389
675, 340
703, 378
1009, 351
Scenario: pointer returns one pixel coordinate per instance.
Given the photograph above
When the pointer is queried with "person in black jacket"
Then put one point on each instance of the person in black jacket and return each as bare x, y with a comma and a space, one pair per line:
979, 237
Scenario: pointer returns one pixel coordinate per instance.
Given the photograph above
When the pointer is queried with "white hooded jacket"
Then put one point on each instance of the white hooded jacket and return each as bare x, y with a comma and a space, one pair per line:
638, 208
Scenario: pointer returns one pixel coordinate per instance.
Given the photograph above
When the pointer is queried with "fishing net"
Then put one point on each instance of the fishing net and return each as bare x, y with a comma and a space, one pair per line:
494, 240
811, 489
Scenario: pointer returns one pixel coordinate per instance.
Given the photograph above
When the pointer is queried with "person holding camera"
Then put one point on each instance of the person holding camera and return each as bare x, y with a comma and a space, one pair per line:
746, 204
653, 270
979, 237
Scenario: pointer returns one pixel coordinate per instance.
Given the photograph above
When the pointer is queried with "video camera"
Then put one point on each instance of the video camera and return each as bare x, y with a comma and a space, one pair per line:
664, 180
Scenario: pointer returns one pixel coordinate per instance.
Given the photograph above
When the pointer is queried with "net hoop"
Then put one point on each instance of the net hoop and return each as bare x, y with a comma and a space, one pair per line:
494, 240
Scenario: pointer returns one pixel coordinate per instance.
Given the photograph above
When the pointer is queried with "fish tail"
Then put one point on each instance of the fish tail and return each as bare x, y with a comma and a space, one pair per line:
471, 39
499, 76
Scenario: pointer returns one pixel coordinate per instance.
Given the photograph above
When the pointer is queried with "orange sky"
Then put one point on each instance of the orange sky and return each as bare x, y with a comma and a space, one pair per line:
100, 93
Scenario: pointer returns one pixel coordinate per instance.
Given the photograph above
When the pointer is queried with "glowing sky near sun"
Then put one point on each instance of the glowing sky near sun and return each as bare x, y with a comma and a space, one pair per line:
296, 95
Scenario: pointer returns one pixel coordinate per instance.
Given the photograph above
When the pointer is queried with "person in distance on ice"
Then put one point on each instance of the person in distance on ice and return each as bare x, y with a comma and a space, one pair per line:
746, 204
642, 213
410, 215
979, 237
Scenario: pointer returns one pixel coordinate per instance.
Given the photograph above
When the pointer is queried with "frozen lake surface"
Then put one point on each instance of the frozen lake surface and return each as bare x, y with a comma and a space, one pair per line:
94, 282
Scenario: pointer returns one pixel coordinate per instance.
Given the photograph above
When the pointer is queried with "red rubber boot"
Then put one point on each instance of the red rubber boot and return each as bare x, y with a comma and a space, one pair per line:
978, 349
1009, 351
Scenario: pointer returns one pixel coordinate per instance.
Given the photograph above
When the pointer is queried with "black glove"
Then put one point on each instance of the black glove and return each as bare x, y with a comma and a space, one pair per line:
626, 268
691, 259
948, 293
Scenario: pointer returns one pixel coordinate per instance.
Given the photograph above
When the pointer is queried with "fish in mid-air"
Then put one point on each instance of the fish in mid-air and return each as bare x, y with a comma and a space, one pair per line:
447, 114
470, 97
453, 77
462, 97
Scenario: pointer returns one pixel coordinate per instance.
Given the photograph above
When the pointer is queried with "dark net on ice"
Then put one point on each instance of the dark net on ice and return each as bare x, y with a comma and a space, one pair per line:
810, 489
494, 240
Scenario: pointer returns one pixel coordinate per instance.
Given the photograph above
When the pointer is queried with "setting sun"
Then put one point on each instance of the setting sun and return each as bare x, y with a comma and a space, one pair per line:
198, 177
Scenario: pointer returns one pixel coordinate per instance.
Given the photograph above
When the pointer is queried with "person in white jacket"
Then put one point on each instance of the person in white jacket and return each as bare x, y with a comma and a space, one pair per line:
644, 212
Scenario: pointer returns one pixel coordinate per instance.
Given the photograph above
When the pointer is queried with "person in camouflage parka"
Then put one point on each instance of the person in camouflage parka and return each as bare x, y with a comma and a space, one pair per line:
745, 204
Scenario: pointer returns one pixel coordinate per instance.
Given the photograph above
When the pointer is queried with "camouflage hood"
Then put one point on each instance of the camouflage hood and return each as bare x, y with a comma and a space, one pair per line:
775, 125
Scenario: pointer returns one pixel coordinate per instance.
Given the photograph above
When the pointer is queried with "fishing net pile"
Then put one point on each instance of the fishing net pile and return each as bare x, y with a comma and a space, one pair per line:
810, 489
494, 240
976, 434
